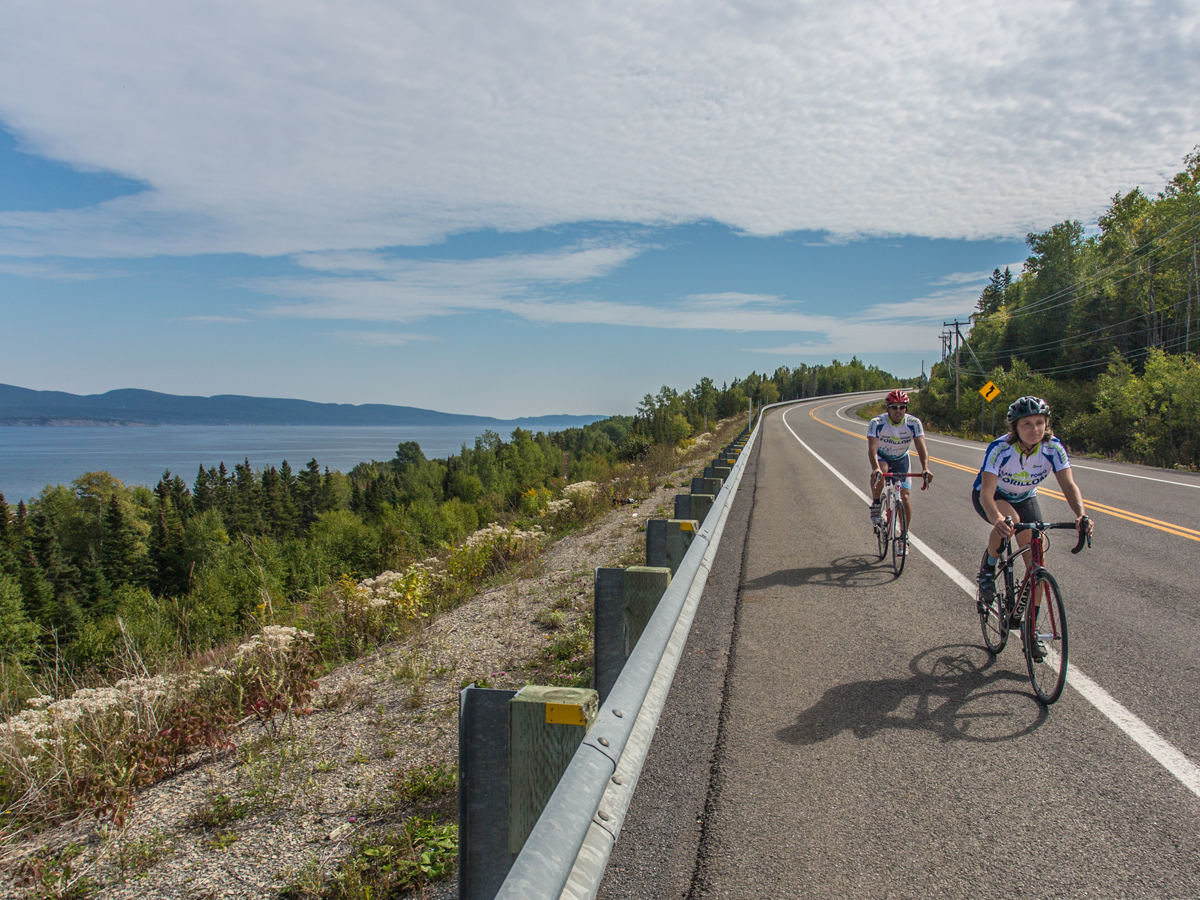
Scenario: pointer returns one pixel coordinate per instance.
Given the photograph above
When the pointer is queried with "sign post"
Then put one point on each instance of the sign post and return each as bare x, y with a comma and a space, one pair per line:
989, 392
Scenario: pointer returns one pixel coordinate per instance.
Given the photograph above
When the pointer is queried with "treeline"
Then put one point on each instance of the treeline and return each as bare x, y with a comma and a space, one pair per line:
1105, 326
181, 568
670, 416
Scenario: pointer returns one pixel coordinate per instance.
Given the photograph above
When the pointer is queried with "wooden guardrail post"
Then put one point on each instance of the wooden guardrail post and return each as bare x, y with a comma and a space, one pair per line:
546, 726
667, 541
483, 792
693, 506
624, 601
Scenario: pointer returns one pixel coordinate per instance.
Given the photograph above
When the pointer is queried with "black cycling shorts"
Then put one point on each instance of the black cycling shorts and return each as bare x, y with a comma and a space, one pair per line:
1027, 509
899, 466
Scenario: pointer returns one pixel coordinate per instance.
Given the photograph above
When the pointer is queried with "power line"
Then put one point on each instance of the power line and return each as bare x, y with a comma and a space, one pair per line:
1016, 351
1038, 306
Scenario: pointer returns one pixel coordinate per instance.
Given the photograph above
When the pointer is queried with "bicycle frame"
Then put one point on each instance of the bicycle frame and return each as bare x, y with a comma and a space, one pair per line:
1019, 598
1036, 562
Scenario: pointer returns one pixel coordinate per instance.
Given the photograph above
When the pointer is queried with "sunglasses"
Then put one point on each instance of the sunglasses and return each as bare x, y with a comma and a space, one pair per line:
897, 406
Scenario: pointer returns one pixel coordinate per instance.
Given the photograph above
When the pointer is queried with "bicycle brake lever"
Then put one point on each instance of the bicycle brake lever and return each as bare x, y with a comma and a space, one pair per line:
1083, 535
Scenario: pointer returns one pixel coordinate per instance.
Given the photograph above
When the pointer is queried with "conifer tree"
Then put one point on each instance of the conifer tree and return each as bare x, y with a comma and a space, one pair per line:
168, 551
18, 634
118, 553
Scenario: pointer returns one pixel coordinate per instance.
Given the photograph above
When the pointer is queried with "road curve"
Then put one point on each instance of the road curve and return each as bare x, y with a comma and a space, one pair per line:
862, 741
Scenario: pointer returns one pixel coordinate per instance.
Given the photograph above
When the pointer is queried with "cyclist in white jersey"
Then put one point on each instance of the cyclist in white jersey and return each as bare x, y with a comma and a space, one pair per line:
888, 439
1007, 483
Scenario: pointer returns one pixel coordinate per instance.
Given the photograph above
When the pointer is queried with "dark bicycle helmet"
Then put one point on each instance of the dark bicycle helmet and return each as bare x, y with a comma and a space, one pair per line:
1027, 406
897, 397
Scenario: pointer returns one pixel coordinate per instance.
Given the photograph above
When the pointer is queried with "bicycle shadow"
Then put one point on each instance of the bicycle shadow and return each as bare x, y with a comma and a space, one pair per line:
846, 571
956, 691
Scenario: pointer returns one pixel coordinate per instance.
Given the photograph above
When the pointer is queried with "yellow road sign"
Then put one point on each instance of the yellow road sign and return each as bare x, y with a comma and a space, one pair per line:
990, 392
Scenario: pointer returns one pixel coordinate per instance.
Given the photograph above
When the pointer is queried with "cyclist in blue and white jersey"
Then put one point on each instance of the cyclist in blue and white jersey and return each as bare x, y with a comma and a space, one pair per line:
1007, 483
888, 439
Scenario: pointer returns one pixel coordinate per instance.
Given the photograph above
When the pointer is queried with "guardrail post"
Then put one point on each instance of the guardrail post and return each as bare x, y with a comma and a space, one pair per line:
693, 506
721, 472
701, 485
644, 587
624, 601
608, 629
484, 857
667, 541
546, 726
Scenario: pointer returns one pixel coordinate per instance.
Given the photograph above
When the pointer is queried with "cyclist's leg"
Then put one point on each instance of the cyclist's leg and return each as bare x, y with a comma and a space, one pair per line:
902, 466
877, 490
986, 579
877, 487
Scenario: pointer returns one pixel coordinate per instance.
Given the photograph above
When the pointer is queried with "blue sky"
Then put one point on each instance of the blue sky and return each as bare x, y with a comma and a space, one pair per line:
546, 208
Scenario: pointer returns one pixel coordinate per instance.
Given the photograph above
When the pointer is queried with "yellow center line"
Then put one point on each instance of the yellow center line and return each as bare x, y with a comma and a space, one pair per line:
1137, 518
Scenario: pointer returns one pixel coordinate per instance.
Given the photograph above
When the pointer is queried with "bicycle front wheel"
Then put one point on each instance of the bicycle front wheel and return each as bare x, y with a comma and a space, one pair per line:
881, 530
899, 538
1044, 634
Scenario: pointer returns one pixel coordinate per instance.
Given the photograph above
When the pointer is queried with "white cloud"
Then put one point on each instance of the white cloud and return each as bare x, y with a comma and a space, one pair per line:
368, 286
269, 127
45, 271
382, 338
214, 320
376, 287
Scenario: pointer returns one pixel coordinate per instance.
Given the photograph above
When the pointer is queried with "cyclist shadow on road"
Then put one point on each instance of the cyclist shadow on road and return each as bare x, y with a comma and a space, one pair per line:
846, 571
956, 691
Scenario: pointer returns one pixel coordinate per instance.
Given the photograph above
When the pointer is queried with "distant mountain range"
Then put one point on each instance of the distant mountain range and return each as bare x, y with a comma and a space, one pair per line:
21, 406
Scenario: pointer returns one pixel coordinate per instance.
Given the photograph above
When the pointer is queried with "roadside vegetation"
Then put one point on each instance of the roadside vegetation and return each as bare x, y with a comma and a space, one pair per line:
142, 626
1105, 327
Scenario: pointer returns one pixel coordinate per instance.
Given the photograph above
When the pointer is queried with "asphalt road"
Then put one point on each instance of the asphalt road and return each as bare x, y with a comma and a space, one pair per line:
865, 744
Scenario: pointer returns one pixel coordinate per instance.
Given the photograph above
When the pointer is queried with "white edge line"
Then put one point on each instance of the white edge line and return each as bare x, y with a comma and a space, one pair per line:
1138, 731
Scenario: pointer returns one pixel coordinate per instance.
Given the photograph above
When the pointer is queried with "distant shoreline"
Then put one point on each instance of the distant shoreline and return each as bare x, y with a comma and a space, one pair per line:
543, 423
22, 407
70, 423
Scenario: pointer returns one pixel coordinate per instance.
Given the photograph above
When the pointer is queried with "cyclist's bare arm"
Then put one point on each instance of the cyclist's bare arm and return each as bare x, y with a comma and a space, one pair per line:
1066, 481
873, 458
923, 455
987, 498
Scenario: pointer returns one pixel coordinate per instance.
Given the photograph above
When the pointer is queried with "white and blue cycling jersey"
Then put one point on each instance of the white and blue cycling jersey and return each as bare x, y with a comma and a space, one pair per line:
894, 439
1017, 476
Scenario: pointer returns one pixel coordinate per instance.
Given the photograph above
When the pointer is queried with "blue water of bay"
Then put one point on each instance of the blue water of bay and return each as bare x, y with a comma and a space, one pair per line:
33, 457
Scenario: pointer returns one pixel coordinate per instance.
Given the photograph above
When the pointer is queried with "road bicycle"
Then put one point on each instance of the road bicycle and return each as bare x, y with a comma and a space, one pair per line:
892, 527
1036, 607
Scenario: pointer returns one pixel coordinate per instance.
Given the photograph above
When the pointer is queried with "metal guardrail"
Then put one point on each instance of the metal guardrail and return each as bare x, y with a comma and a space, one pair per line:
565, 855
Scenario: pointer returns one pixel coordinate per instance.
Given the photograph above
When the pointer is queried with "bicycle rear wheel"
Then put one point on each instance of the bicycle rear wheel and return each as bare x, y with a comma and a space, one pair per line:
993, 618
899, 531
1046, 622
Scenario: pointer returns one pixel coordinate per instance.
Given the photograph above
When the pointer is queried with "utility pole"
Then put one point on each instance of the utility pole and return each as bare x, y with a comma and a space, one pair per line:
958, 340
978, 364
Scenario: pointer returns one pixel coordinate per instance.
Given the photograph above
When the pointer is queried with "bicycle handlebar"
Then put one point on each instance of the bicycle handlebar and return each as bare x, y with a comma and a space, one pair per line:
894, 476
1048, 526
